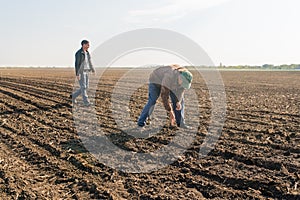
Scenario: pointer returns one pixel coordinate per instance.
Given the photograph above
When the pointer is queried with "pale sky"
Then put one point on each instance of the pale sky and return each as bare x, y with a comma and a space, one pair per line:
234, 32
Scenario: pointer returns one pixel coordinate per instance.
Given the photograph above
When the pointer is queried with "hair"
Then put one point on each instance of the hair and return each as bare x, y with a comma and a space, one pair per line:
84, 42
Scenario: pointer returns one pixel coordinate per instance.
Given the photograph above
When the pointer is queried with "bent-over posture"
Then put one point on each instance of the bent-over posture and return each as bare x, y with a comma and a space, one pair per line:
169, 82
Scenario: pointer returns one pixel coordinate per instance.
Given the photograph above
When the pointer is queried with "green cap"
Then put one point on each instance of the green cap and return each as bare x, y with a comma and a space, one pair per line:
187, 78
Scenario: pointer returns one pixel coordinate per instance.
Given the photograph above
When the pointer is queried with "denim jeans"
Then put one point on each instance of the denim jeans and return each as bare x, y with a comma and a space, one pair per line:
154, 93
84, 84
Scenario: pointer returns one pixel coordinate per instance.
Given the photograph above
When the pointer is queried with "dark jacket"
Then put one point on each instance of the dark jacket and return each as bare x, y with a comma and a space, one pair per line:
79, 58
167, 78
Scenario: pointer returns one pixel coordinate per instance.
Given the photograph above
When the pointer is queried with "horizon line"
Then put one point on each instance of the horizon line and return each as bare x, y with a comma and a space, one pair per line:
148, 66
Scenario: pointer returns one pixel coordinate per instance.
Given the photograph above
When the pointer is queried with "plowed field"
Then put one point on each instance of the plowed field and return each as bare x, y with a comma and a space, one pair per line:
256, 157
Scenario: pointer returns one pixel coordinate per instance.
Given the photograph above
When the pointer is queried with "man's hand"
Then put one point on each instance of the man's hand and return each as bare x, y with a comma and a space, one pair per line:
178, 106
172, 119
78, 78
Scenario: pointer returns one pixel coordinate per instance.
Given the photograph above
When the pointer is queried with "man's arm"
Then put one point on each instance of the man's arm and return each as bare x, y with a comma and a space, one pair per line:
90, 63
165, 95
179, 96
165, 91
77, 62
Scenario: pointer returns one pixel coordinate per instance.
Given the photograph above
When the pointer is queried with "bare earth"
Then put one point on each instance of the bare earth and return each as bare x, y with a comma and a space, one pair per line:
256, 157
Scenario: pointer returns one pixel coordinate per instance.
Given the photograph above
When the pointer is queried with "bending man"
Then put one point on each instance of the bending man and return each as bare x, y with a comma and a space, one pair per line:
169, 82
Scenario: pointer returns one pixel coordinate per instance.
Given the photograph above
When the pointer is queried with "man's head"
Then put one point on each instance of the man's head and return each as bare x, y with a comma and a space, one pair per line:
186, 79
85, 45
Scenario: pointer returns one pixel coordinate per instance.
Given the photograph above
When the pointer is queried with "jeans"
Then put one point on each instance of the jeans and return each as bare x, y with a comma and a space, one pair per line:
84, 84
154, 93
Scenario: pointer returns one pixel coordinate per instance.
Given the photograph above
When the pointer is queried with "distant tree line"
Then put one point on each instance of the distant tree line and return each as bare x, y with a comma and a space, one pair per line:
265, 66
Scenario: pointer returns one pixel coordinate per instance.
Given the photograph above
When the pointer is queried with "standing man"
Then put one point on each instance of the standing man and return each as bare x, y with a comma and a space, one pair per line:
83, 66
169, 82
